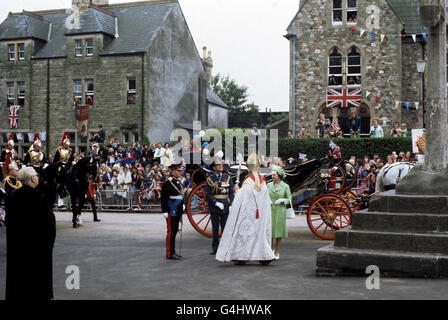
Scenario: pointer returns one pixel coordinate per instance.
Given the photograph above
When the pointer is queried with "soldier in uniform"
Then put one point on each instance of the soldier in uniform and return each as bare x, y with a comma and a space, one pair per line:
35, 157
9, 150
220, 193
10, 182
172, 206
64, 158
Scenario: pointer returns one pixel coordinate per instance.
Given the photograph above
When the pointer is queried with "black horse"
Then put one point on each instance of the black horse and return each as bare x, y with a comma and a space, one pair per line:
78, 184
48, 182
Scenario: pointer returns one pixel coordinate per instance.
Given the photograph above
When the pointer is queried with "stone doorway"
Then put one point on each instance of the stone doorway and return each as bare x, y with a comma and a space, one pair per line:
363, 111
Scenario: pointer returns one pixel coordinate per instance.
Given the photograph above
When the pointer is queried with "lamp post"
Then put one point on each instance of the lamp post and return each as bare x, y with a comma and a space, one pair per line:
421, 66
293, 37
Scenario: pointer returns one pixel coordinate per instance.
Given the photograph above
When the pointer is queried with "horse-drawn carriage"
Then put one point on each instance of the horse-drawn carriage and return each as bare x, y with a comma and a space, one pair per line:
329, 207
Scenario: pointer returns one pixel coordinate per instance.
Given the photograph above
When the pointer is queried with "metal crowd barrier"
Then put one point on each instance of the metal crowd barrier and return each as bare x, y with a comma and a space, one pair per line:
117, 201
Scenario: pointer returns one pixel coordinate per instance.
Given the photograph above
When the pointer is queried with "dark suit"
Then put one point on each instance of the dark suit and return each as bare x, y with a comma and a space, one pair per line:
354, 124
171, 189
30, 236
219, 189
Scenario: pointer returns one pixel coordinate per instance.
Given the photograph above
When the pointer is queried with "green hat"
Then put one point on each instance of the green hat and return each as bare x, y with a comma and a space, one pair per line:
281, 173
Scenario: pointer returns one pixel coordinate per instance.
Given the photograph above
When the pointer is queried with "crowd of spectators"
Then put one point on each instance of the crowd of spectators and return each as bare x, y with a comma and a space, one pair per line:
327, 129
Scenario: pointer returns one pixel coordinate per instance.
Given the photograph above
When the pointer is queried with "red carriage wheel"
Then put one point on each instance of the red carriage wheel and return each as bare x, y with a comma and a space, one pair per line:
336, 183
197, 211
352, 200
328, 214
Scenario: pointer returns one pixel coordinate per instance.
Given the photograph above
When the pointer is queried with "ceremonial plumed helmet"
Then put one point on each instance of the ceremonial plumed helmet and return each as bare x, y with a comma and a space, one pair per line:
37, 143
13, 166
66, 139
10, 140
253, 163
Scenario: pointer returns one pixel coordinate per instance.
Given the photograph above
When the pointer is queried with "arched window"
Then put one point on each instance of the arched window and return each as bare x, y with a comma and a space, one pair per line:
354, 67
335, 68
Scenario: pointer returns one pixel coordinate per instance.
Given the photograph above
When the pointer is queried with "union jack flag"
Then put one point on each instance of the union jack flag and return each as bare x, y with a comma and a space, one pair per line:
343, 98
13, 116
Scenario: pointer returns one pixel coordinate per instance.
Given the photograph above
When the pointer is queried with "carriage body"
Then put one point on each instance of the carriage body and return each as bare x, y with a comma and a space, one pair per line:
329, 207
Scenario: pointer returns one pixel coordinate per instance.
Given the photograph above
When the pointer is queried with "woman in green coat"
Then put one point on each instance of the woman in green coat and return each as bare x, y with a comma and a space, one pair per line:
280, 195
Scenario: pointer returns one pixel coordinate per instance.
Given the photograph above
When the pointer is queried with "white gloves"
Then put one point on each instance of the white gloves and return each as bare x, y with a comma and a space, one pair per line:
165, 215
45, 166
219, 205
279, 201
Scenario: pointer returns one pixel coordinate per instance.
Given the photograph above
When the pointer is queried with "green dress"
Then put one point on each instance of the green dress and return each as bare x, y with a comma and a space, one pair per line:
278, 211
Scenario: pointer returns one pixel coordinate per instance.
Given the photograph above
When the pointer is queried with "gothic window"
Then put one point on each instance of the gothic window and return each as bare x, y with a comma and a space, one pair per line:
131, 91
12, 52
90, 92
337, 11
89, 47
335, 68
354, 67
10, 94
21, 94
77, 92
352, 12
78, 48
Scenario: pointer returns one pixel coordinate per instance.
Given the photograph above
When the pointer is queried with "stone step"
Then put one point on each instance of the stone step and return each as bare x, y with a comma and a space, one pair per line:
334, 261
436, 243
399, 222
391, 202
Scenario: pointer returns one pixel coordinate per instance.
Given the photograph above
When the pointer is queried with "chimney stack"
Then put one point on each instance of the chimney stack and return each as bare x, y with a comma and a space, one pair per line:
207, 62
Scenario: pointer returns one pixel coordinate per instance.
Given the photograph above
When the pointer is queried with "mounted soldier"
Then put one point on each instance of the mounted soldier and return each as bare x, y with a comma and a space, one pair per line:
64, 160
10, 171
9, 150
35, 157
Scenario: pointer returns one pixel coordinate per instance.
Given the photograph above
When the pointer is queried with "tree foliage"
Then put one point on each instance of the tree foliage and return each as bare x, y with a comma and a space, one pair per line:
234, 95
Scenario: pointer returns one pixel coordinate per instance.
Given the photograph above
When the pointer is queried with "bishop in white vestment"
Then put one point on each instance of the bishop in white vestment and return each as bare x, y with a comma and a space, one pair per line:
247, 235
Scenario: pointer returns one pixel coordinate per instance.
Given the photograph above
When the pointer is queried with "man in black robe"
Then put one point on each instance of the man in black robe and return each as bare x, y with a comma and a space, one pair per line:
30, 236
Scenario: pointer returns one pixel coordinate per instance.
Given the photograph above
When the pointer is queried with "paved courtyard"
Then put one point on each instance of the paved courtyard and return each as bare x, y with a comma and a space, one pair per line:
122, 257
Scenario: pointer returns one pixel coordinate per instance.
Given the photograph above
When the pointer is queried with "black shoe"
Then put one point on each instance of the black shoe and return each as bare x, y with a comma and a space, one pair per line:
213, 253
174, 257
96, 220
75, 225
240, 263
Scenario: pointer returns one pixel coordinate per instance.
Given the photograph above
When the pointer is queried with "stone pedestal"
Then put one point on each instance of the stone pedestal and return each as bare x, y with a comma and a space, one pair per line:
404, 235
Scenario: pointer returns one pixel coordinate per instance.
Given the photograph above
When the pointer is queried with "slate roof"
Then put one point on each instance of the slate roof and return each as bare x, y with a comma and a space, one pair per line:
24, 26
408, 11
138, 24
213, 98
131, 36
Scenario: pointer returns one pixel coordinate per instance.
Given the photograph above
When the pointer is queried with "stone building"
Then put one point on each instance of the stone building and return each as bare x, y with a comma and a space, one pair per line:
372, 45
135, 64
